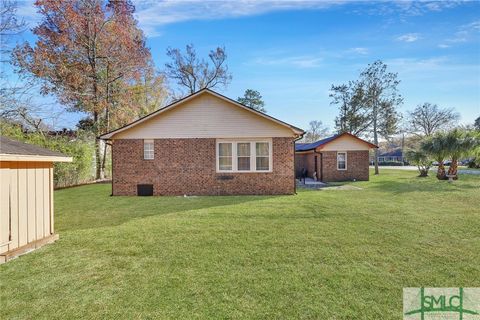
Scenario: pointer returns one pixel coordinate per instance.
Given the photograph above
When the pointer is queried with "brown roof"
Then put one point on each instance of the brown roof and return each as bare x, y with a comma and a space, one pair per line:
10, 146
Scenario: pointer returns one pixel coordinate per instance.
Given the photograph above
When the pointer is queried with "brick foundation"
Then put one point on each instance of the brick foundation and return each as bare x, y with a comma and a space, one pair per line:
188, 167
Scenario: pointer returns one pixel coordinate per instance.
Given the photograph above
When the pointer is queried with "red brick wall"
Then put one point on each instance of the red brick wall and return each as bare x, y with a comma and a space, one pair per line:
307, 161
357, 166
188, 166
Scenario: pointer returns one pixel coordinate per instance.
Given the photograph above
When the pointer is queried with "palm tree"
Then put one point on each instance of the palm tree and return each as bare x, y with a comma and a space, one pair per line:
437, 147
422, 160
460, 143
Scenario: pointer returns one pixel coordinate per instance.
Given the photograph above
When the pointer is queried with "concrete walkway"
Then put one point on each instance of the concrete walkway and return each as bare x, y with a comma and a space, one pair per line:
310, 183
462, 171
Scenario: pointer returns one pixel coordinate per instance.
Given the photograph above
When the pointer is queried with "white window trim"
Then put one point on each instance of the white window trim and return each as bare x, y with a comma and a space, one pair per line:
346, 161
144, 143
253, 155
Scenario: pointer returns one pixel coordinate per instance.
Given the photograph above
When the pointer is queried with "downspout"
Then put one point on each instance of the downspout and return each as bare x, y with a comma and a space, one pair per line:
294, 158
111, 148
319, 177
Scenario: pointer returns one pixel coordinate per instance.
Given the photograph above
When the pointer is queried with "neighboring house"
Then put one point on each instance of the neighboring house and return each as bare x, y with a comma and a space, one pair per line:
391, 156
26, 197
204, 144
337, 158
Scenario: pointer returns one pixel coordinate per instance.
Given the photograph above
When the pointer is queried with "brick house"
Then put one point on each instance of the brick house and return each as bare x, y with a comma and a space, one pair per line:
204, 144
338, 158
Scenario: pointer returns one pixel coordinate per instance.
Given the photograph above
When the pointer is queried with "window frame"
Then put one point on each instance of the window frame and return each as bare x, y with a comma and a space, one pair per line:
152, 142
253, 155
217, 155
346, 161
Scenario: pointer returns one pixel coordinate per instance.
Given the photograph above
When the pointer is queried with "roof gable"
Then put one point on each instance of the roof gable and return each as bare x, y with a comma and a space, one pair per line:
343, 141
202, 115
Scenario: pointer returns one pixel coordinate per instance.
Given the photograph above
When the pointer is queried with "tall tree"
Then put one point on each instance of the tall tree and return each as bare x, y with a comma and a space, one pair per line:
253, 99
380, 96
316, 131
192, 73
353, 116
87, 54
426, 119
476, 125
368, 106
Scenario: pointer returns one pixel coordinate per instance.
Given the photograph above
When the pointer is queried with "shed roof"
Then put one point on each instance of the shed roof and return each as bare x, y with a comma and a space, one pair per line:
311, 146
13, 150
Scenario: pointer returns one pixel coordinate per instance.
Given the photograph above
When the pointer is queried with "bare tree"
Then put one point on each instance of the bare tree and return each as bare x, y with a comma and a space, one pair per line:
426, 119
316, 131
12, 93
194, 74
10, 25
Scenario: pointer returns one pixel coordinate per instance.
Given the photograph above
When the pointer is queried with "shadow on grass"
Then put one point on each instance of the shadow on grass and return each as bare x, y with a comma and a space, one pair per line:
91, 206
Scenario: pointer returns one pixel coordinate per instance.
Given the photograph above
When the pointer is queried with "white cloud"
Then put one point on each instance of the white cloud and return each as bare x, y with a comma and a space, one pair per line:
409, 37
359, 50
464, 33
444, 46
153, 14
295, 61
405, 8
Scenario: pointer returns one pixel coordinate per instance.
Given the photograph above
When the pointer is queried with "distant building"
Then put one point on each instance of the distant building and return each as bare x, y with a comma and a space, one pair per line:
390, 156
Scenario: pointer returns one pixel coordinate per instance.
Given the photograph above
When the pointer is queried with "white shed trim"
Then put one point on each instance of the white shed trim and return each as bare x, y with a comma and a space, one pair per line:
33, 158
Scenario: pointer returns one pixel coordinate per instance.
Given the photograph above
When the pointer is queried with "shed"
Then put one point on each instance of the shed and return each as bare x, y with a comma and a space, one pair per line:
26, 197
341, 157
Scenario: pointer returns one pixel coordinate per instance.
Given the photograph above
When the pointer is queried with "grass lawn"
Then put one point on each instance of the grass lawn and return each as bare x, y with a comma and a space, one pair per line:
329, 254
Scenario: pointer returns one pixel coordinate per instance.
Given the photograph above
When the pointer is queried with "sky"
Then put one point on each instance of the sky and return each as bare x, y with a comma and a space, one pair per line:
293, 51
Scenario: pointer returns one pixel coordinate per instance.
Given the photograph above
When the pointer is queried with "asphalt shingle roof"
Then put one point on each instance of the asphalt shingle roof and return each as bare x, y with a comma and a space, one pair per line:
394, 153
10, 146
313, 145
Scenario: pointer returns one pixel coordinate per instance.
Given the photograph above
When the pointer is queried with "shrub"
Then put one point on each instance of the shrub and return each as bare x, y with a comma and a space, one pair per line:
81, 149
421, 160
390, 163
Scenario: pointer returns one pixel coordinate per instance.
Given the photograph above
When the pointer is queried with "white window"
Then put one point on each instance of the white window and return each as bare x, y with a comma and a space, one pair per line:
262, 153
225, 156
341, 161
244, 156
148, 150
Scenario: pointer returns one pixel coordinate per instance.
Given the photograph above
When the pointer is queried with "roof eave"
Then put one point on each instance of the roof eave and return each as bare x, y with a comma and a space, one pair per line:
33, 158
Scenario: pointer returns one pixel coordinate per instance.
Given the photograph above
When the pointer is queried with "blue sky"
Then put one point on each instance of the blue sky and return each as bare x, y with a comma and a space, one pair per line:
293, 51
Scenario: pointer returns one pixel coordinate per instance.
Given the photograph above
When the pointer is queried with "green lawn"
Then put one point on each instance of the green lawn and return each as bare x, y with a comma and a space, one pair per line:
329, 254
